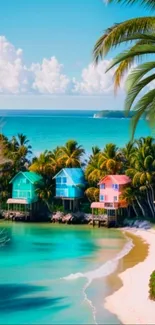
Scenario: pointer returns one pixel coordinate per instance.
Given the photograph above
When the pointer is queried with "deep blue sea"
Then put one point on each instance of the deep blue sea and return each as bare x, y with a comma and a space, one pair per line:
47, 129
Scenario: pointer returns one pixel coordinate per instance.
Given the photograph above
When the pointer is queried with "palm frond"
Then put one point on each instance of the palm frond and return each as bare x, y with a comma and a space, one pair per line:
143, 106
137, 52
138, 73
133, 93
126, 31
147, 3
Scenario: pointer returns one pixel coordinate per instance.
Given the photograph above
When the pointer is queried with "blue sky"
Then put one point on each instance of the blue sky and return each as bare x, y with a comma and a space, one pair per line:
66, 30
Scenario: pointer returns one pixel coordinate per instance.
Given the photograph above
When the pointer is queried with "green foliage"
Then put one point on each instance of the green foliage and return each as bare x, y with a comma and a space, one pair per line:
139, 34
152, 286
85, 207
58, 208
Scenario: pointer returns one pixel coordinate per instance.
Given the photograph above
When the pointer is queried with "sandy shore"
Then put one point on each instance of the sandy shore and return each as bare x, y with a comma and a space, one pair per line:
131, 303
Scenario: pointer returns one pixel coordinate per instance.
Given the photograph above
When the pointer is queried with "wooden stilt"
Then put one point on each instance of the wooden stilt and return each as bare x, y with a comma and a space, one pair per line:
70, 205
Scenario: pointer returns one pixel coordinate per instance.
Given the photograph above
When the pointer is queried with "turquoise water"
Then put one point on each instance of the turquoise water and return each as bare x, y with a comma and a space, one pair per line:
53, 274
48, 129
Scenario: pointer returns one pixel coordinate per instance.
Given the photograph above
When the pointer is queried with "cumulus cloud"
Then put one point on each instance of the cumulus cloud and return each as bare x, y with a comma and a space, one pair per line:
13, 73
16, 77
94, 80
48, 77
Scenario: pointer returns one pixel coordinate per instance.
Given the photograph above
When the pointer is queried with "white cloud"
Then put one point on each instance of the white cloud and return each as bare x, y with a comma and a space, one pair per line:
13, 73
48, 77
94, 80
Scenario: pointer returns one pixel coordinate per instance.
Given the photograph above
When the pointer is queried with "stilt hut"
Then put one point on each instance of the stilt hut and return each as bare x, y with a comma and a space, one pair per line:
70, 184
24, 200
111, 189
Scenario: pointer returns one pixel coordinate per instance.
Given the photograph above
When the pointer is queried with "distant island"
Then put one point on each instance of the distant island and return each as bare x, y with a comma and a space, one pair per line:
112, 114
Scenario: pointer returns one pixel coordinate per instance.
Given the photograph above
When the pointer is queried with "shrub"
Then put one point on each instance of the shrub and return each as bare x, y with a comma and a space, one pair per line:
152, 286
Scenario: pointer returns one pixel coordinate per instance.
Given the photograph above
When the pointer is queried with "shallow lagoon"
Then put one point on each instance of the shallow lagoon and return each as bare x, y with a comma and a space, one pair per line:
51, 274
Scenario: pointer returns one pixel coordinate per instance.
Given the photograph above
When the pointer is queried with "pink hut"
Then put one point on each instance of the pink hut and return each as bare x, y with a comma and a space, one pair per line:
111, 189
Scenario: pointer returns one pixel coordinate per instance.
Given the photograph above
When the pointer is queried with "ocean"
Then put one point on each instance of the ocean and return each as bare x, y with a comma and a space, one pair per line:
47, 129
52, 274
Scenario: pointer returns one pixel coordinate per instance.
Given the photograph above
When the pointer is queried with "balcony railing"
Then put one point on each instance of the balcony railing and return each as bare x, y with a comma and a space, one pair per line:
111, 204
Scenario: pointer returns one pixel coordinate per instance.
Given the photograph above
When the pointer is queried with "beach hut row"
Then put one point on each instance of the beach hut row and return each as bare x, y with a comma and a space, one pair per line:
70, 185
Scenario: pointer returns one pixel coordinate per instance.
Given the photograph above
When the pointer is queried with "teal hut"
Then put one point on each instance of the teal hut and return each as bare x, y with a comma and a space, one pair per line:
24, 196
70, 184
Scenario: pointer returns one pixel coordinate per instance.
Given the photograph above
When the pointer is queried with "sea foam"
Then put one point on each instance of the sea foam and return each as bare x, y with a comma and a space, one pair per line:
105, 269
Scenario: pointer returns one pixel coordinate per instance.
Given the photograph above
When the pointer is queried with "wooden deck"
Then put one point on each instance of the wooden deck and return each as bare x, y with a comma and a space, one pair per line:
106, 221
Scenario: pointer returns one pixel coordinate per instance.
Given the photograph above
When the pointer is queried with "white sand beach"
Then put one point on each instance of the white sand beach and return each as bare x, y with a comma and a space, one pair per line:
131, 303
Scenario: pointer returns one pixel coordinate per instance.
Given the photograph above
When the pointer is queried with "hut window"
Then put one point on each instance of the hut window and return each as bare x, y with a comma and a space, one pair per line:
101, 197
115, 198
64, 180
58, 180
102, 186
115, 186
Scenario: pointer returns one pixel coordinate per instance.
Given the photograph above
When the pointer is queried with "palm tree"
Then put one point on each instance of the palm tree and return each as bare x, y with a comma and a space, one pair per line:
4, 149
149, 3
56, 163
129, 195
45, 193
142, 173
110, 159
93, 171
20, 151
41, 164
141, 32
92, 194
71, 154
127, 154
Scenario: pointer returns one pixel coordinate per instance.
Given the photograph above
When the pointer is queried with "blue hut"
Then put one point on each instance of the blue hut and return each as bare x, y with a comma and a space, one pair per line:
70, 184
24, 195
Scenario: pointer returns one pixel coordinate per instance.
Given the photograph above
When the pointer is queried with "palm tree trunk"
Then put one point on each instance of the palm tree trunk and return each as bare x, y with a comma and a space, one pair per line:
143, 212
149, 203
152, 192
134, 207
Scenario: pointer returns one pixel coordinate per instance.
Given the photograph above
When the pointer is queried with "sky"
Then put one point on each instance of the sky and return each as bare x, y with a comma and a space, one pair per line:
46, 56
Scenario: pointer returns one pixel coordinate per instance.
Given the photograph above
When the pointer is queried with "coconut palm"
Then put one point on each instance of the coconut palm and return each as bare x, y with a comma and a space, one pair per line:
110, 159
140, 33
130, 196
4, 149
41, 164
56, 163
92, 194
93, 171
71, 154
20, 151
147, 3
45, 193
127, 154
142, 173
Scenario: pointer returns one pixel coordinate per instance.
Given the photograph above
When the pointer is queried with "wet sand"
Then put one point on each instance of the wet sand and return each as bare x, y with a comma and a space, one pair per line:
130, 302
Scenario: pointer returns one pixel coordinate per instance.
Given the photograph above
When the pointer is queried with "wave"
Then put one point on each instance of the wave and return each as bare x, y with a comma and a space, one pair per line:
104, 270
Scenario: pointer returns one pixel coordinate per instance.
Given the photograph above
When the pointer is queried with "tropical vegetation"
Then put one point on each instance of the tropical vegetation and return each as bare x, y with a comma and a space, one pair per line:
139, 34
152, 286
136, 159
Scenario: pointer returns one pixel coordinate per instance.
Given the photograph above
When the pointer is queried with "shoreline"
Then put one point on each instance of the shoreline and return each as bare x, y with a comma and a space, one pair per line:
130, 302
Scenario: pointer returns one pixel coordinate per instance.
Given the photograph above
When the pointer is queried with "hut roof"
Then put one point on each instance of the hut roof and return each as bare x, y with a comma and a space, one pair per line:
118, 179
31, 176
75, 174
